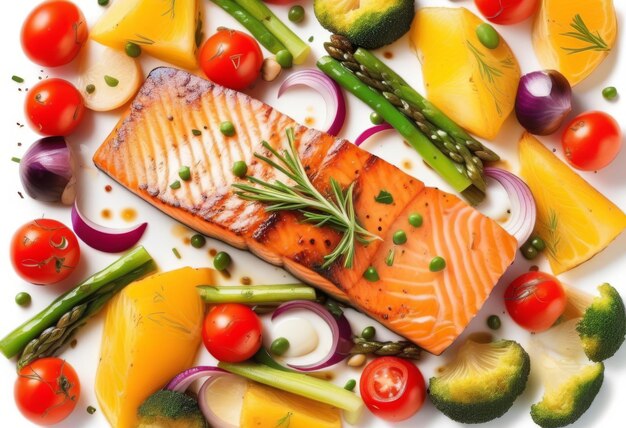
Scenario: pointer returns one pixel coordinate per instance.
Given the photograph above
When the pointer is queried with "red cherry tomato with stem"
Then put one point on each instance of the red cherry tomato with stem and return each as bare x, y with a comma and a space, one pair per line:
53, 33
535, 300
44, 251
46, 391
507, 12
232, 332
54, 107
231, 58
392, 388
591, 141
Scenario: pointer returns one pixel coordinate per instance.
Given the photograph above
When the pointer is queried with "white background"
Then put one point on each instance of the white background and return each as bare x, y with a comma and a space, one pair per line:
163, 234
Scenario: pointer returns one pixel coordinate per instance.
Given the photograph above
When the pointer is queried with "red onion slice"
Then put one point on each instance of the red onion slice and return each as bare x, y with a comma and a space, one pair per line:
327, 88
215, 421
339, 327
370, 132
105, 238
183, 380
523, 208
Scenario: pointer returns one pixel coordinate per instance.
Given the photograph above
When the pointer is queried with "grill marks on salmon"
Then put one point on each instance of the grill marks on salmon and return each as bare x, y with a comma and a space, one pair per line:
155, 138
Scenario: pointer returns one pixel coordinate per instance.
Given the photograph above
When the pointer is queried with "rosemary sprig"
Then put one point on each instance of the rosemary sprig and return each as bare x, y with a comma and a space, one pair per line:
336, 212
582, 32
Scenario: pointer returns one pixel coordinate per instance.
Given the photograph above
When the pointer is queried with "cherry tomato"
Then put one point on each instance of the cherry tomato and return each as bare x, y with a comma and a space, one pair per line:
53, 33
591, 141
231, 332
231, 58
535, 300
44, 251
46, 391
54, 107
392, 388
506, 12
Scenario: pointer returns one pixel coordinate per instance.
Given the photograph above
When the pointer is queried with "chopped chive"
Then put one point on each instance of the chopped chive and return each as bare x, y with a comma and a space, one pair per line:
17, 79
111, 81
384, 197
390, 257
175, 185
90, 89
176, 253
196, 132
91, 409
16, 160
184, 173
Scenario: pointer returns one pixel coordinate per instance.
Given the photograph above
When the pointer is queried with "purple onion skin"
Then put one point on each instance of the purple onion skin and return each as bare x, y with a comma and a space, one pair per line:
46, 169
543, 115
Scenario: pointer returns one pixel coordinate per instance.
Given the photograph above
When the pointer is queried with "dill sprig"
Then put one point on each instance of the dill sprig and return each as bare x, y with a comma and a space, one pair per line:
595, 41
337, 211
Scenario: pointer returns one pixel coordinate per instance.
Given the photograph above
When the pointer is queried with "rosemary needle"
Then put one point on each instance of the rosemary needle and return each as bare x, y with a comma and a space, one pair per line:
336, 212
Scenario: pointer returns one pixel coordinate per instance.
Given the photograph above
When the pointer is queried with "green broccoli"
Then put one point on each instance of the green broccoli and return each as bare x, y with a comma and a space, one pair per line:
602, 325
571, 382
482, 381
369, 24
169, 409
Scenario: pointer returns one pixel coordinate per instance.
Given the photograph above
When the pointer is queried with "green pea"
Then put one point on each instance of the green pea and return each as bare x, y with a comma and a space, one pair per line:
175, 185
538, 243
399, 237
133, 50
609, 93
198, 241
296, 13
493, 322
103, 2
221, 261
350, 385
240, 169
227, 128
416, 220
284, 58
375, 118
111, 81
529, 252
368, 333
488, 36
90, 89
184, 173
22, 298
279, 346
371, 274
437, 264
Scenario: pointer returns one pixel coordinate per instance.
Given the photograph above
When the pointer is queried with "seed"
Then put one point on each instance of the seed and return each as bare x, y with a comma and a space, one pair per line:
279, 346
90, 89
356, 360
270, 69
198, 241
221, 261
368, 332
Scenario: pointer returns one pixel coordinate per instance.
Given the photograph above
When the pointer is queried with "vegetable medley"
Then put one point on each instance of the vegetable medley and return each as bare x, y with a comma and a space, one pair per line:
187, 348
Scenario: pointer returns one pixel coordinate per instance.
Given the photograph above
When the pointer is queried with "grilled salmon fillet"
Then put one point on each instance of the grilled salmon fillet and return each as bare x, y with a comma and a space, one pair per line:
158, 135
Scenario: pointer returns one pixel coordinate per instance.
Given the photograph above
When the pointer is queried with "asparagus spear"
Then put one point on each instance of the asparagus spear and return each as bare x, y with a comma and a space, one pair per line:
294, 44
453, 173
72, 309
256, 28
257, 294
402, 349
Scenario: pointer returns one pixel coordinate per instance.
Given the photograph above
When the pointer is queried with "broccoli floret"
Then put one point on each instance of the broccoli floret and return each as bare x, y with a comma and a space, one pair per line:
602, 325
571, 382
169, 409
367, 23
482, 381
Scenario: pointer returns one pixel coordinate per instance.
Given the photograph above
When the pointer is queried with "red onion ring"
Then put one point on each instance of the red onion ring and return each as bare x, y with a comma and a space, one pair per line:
339, 327
327, 88
183, 380
368, 133
523, 208
105, 238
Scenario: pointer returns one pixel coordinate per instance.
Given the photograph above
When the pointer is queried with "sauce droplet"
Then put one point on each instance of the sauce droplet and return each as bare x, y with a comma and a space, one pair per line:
106, 213
212, 252
129, 214
245, 280
388, 54
108, 188
309, 121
